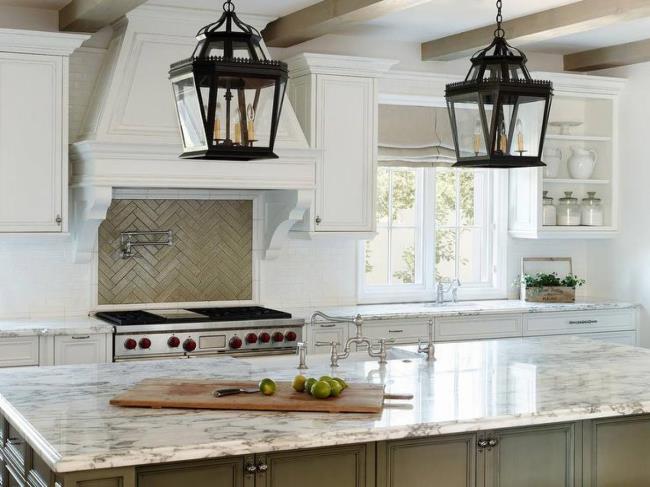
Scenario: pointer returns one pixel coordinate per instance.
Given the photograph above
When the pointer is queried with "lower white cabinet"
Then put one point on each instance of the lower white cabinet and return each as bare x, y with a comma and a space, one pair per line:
19, 351
477, 327
404, 332
325, 333
573, 323
80, 349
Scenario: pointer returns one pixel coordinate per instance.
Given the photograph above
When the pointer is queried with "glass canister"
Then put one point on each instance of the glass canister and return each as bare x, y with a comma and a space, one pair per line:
568, 211
550, 212
592, 210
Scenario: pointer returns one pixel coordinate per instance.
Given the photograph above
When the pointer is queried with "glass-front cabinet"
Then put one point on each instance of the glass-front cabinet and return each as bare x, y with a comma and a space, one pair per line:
581, 156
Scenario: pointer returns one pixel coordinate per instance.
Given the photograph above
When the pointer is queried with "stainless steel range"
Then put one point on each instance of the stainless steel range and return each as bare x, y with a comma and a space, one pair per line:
185, 333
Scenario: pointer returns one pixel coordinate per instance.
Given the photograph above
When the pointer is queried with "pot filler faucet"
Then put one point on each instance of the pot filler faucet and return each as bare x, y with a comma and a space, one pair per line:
358, 339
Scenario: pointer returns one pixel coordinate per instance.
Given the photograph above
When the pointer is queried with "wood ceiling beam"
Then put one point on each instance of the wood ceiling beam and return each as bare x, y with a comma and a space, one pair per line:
569, 19
92, 15
329, 16
608, 57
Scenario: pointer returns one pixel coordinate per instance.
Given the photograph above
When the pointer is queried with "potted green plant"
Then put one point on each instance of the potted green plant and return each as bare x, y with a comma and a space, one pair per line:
549, 288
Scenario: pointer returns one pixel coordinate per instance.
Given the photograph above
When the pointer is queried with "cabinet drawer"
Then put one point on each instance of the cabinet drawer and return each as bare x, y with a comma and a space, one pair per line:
79, 349
15, 451
327, 332
477, 327
564, 323
402, 331
18, 351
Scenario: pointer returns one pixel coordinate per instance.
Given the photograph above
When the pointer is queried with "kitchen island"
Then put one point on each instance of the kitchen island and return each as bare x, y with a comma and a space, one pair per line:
532, 411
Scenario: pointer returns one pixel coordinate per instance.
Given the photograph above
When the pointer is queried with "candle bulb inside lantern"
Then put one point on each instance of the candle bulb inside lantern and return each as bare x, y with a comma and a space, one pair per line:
237, 128
520, 136
477, 137
503, 138
250, 115
217, 123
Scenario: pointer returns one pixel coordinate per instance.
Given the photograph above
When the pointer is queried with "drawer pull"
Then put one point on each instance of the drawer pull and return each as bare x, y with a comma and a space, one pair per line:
583, 322
395, 331
86, 337
331, 325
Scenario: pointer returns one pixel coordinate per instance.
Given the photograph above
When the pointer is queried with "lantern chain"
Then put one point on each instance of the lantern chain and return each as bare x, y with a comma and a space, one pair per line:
228, 6
499, 32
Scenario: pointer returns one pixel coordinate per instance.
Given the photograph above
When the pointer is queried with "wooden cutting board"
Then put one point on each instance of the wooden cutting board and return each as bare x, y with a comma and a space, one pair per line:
199, 394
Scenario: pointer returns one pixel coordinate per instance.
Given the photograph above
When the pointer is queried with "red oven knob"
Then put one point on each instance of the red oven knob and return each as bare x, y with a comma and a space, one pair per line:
145, 343
291, 336
278, 336
251, 338
235, 342
265, 337
130, 344
189, 345
174, 342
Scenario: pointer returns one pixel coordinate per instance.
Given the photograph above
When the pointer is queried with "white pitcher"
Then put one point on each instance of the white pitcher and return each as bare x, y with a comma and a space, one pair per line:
582, 163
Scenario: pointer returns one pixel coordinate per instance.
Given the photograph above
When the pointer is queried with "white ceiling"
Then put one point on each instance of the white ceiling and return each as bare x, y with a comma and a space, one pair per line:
44, 4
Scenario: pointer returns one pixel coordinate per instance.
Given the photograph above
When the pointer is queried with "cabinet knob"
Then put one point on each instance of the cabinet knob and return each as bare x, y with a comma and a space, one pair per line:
59, 220
482, 443
262, 467
493, 442
251, 469
318, 220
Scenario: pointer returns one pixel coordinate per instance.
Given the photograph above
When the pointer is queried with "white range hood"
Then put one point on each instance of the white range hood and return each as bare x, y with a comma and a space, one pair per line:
130, 138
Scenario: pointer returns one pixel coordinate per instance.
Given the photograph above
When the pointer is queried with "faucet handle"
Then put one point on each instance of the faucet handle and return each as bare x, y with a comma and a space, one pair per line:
302, 356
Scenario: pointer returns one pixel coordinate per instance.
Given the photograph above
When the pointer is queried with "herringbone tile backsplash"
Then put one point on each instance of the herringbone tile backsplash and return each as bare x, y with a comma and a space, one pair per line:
211, 259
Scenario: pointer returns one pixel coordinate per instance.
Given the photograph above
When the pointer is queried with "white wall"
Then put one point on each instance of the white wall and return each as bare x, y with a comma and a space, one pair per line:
622, 266
38, 278
28, 18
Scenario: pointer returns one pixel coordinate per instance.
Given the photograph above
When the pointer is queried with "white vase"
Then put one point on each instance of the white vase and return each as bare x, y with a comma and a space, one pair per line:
582, 163
552, 157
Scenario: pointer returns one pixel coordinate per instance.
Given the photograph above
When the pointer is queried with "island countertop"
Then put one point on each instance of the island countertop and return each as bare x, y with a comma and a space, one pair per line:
64, 412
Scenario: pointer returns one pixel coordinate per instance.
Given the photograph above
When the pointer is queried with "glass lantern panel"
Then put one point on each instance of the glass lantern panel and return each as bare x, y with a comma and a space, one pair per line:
215, 49
205, 86
528, 124
189, 113
467, 124
493, 71
240, 50
260, 53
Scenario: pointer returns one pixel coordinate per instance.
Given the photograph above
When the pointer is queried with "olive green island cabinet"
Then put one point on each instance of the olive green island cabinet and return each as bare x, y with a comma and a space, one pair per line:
609, 452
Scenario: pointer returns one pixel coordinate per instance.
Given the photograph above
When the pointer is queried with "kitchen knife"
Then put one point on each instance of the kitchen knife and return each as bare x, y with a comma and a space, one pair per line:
232, 392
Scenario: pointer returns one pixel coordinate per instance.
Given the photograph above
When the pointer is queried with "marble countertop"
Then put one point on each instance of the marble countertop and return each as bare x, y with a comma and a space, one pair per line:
53, 326
64, 412
462, 308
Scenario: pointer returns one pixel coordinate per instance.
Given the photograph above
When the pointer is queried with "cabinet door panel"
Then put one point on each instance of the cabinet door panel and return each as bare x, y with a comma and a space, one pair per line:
345, 466
326, 332
225, 473
18, 351
346, 176
534, 457
617, 452
429, 462
82, 349
31, 172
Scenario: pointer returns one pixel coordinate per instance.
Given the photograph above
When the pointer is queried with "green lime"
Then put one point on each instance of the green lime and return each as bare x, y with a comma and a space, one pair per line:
325, 377
336, 387
321, 390
309, 384
299, 383
342, 382
267, 387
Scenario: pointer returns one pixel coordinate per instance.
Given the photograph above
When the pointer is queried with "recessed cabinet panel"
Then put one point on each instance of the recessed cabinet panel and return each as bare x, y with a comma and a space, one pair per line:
79, 349
31, 169
226, 473
477, 327
345, 132
18, 351
326, 333
534, 457
569, 323
429, 462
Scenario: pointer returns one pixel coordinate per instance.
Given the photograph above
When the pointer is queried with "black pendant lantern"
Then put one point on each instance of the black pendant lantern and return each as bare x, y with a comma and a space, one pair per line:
228, 94
499, 113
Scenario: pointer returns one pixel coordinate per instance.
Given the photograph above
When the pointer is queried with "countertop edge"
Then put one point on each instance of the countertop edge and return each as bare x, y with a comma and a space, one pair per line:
329, 439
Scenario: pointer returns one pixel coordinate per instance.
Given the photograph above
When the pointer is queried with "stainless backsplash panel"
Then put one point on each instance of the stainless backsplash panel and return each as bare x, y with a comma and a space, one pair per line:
211, 260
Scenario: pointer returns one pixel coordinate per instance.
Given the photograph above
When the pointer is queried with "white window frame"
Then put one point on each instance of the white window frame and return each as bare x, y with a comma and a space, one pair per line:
426, 290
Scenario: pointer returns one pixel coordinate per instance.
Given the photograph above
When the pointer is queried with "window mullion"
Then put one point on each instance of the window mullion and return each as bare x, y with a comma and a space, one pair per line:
389, 267
458, 225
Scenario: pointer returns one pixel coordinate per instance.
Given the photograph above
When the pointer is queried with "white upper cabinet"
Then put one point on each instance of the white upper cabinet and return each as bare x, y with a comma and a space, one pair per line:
335, 98
583, 120
34, 130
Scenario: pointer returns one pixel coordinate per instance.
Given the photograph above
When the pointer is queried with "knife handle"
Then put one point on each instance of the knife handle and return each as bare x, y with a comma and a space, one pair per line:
226, 392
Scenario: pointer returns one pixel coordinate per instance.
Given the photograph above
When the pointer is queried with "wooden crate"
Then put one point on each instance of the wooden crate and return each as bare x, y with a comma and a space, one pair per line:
549, 294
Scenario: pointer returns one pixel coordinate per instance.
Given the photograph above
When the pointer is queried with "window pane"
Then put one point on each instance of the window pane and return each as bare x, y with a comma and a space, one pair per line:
467, 197
445, 254
403, 186
403, 255
383, 184
446, 197
472, 256
376, 256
